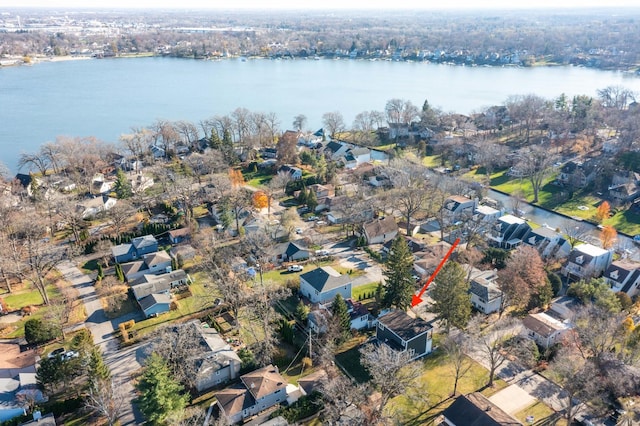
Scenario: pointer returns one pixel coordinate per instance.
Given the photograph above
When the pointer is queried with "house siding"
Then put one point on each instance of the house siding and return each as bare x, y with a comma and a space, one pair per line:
483, 306
158, 308
308, 291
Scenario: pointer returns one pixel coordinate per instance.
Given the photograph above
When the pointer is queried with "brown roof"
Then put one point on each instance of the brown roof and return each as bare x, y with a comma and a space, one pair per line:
264, 381
234, 399
181, 232
542, 326
378, 227
313, 381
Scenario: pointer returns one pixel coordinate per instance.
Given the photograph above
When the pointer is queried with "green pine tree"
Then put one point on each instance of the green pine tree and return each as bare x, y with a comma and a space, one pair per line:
122, 186
302, 312
160, 395
98, 370
100, 272
312, 201
340, 313
119, 272
452, 301
399, 284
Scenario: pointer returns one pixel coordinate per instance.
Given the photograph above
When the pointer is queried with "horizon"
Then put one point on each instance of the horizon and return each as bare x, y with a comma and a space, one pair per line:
283, 5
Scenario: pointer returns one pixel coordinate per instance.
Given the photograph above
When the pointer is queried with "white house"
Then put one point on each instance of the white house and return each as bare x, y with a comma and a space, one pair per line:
545, 329
321, 285
486, 296
586, 261
379, 231
548, 242
623, 276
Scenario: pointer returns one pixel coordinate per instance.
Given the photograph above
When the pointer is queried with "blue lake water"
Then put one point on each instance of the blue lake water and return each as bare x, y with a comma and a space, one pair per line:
105, 98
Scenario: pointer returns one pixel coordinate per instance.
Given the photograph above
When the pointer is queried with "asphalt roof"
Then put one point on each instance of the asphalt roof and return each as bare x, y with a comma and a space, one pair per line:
325, 278
403, 325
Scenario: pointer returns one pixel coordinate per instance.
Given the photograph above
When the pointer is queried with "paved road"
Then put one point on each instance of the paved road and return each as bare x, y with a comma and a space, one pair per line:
121, 362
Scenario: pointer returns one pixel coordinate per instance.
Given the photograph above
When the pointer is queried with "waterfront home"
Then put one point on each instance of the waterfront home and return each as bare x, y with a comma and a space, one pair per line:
509, 232
586, 261
548, 242
624, 276
404, 333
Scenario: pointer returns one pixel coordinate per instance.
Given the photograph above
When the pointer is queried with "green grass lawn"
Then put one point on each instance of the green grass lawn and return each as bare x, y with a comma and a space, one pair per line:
431, 161
540, 413
29, 296
625, 221
361, 292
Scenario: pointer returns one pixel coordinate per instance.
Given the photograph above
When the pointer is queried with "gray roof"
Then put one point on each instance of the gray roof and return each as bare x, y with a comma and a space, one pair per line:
545, 232
476, 410
154, 299
485, 290
325, 278
151, 284
120, 249
403, 325
144, 241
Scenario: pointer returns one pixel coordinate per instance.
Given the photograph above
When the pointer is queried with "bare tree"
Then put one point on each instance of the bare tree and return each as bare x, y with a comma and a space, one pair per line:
575, 233
341, 396
392, 372
36, 160
536, 165
527, 110
489, 342
333, 122
106, 398
281, 180
119, 215
299, 121
522, 278
455, 348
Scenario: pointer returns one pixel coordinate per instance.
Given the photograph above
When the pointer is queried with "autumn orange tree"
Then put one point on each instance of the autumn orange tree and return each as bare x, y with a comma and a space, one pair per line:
236, 178
603, 211
608, 236
260, 200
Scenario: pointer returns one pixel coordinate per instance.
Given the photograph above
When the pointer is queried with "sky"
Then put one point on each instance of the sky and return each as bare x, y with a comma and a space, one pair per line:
321, 4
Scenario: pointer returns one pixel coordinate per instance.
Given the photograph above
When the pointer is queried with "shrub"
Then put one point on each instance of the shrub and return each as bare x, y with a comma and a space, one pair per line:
37, 332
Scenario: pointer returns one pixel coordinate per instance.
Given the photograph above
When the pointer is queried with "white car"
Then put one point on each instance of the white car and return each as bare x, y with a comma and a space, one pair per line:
298, 230
322, 253
295, 268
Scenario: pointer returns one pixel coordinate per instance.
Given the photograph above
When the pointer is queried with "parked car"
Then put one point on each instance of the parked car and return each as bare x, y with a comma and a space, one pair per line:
298, 230
295, 268
70, 355
312, 218
320, 223
56, 352
322, 252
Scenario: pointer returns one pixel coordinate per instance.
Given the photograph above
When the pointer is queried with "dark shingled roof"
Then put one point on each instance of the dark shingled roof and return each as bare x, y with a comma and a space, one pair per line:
403, 325
476, 410
325, 278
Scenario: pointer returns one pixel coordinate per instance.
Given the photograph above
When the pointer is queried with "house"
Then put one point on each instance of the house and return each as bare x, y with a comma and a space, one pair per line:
379, 181
269, 153
141, 183
336, 150
323, 191
176, 236
457, 205
586, 261
294, 172
379, 231
545, 328
427, 260
486, 214
548, 242
486, 296
134, 250
185, 252
293, 251
318, 319
625, 187
577, 174
258, 391
95, 205
475, 409
509, 232
213, 359
152, 263
404, 333
99, 185
153, 291
624, 276
321, 285
361, 155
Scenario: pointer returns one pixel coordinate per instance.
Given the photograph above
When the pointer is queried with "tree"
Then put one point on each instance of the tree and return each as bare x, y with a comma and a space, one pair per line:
299, 121
260, 200
490, 342
392, 372
597, 292
286, 149
608, 236
106, 398
122, 186
119, 215
398, 275
575, 233
523, 276
455, 348
603, 211
98, 370
37, 331
341, 317
536, 165
527, 110
160, 395
236, 178
451, 299
333, 122
311, 201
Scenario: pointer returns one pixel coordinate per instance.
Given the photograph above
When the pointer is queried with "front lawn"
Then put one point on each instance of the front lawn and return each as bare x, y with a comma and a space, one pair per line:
362, 292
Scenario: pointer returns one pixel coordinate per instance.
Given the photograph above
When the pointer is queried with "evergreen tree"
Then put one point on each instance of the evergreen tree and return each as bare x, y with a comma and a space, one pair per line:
452, 302
100, 272
98, 370
119, 272
302, 312
160, 395
340, 313
214, 140
312, 201
302, 196
122, 185
399, 285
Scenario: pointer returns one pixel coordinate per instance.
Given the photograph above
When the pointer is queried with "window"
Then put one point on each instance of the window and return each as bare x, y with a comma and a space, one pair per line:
580, 260
614, 275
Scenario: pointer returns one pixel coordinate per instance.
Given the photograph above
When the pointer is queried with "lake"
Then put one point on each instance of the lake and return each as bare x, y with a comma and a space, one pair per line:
105, 98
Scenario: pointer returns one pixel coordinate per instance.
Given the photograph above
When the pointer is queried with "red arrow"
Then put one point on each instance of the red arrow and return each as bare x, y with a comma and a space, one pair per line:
416, 300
